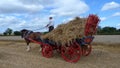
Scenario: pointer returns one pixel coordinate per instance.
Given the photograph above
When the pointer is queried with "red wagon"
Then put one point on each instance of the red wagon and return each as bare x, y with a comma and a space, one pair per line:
77, 48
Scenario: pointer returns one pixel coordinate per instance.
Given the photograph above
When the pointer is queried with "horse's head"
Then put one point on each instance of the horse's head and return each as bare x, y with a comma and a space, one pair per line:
23, 31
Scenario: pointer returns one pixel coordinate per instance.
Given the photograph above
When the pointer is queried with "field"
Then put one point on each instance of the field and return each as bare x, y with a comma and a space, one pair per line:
13, 54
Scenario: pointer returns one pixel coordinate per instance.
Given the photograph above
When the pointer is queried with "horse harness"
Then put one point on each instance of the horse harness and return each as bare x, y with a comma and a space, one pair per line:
27, 33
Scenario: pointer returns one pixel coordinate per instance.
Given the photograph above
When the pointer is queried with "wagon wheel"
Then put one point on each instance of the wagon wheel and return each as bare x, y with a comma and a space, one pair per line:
71, 53
47, 51
86, 49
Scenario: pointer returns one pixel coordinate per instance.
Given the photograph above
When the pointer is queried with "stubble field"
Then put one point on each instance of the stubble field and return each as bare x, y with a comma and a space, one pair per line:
105, 54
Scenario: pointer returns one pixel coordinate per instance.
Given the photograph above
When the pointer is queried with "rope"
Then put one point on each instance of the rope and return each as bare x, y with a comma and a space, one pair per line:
39, 28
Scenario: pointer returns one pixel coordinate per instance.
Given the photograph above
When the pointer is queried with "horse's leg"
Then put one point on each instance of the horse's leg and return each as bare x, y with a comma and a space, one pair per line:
40, 48
28, 46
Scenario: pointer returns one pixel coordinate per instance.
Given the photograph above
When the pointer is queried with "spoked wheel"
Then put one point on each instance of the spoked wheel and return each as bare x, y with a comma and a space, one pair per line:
47, 51
71, 53
86, 49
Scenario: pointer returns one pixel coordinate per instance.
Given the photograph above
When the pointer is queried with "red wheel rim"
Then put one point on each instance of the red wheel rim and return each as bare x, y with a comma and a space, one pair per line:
86, 50
71, 53
47, 51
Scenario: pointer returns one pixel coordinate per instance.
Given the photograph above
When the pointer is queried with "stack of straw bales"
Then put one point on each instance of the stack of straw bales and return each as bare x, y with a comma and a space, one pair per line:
67, 32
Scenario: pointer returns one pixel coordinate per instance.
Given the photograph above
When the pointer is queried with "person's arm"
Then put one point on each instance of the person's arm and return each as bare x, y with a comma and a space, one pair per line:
49, 23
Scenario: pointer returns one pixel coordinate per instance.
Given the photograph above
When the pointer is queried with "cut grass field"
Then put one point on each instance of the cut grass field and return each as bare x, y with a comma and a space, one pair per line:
13, 55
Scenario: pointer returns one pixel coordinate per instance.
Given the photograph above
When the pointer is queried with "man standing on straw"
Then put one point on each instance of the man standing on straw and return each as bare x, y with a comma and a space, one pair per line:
50, 25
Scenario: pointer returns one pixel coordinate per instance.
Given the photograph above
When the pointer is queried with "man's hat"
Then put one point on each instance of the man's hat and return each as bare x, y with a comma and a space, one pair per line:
50, 17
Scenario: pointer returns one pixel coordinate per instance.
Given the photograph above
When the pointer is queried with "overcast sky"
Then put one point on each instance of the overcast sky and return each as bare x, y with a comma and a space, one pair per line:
34, 14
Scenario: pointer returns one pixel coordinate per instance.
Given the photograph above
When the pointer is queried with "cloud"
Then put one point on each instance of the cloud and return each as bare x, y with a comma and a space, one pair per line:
16, 6
116, 14
67, 20
118, 26
110, 5
108, 17
19, 14
69, 7
35, 24
103, 18
42, 2
9, 21
33, 14
18, 23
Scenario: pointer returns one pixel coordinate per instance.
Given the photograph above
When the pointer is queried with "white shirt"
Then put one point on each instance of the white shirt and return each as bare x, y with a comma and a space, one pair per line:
50, 23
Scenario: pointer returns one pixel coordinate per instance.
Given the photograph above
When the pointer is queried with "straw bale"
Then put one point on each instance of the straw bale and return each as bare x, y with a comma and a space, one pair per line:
65, 33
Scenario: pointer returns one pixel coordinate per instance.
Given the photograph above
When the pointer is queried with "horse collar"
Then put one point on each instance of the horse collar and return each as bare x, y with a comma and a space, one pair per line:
27, 33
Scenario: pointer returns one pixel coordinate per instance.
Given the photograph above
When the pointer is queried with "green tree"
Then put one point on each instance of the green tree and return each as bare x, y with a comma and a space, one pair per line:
109, 31
17, 33
4, 33
8, 31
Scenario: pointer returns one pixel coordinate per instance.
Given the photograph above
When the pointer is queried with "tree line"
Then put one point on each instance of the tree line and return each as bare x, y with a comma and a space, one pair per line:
108, 31
100, 31
10, 32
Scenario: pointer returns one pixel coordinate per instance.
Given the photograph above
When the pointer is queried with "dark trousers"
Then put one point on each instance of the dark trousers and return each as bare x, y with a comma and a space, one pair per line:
51, 28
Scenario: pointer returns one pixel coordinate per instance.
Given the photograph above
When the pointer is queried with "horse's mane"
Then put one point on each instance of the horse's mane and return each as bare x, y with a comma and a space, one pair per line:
25, 30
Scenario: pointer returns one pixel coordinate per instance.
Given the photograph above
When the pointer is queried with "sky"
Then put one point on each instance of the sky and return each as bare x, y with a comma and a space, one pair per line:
34, 14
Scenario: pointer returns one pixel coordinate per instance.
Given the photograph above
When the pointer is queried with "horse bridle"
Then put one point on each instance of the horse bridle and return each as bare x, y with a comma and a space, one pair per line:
27, 33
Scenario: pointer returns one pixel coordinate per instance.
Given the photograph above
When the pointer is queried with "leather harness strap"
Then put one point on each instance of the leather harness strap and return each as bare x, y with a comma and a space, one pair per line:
26, 34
